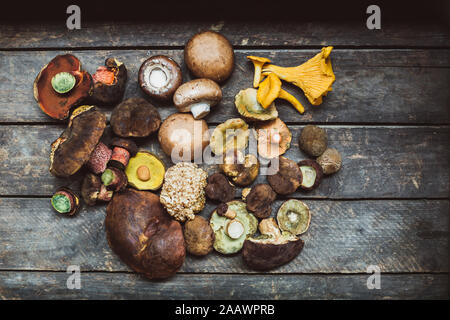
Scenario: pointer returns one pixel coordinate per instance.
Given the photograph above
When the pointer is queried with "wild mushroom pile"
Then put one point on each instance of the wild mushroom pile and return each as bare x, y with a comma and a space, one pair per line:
146, 229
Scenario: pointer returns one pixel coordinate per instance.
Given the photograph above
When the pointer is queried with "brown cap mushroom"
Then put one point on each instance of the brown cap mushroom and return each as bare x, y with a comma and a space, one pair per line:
75, 145
311, 174
143, 235
159, 77
61, 85
219, 188
199, 236
109, 83
259, 200
242, 170
274, 138
182, 137
197, 96
287, 178
209, 55
92, 189
330, 161
114, 179
313, 140
135, 117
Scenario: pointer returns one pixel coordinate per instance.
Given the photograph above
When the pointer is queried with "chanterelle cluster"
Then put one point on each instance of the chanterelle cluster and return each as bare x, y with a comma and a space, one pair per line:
183, 191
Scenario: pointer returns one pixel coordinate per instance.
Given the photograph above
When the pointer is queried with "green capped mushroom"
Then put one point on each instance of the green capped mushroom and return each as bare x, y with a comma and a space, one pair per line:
249, 107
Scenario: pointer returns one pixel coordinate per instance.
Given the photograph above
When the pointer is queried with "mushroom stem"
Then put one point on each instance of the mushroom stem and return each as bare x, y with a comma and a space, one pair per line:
200, 109
105, 194
289, 97
235, 229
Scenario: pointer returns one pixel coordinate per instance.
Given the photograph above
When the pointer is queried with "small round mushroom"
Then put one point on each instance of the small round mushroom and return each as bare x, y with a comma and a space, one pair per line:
99, 158
209, 55
199, 236
219, 188
242, 173
65, 201
259, 200
159, 77
287, 178
313, 140
197, 96
109, 83
311, 174
294, 217
182, 137
330, 161
135, 117
93, 189
114, 179
123, 150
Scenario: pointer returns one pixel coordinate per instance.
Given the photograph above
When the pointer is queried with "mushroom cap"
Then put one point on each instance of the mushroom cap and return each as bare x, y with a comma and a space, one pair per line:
135, 117
242, 173
230, 136
143, 235
90, 188
167, 77
313, 140
77, 142
195, 91
199, 236
287, 178
55, 105
260, 199
153, 164
180, 131
330, 161
219, 188
209, 55
294, 217
107, 94
267, 147
249, 107
310, 170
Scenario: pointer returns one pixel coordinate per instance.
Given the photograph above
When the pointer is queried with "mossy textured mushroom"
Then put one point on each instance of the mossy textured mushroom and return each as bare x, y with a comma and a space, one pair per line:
109, 83
143, 235
75, 145
250, 109
287, 178
199, 236
294, 216
313, 140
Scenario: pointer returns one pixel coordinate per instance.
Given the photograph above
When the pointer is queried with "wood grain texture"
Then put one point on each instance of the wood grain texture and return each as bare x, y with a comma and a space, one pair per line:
378, 162
52, 285
344, 237
240, 33
372, 86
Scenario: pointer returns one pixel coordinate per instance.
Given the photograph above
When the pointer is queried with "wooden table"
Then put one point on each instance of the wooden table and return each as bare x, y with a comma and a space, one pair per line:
388, 115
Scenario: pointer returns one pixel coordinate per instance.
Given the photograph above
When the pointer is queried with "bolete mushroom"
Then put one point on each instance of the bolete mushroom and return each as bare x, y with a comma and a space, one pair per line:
92, 189
197, 96
311, 174
259, 200
229, 233
242, 170
75, 145
109, 83
250, 109
294, 217
159, 77
199, 236
123, 150
65, 201
272, 248
274, 138
230, 136
219, 188
114, 179
287, 178
209, 55
61, 85
99, 158
145, 171
330, 161
135, 117
313, 140
143, 235
182, 137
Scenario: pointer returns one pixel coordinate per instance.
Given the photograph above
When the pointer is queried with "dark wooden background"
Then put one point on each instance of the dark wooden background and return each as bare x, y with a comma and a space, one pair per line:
388, 115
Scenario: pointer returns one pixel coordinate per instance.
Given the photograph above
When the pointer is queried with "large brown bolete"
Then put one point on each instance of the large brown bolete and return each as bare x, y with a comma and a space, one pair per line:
61, 85
143, 235
287, 178
74, 146
109, 83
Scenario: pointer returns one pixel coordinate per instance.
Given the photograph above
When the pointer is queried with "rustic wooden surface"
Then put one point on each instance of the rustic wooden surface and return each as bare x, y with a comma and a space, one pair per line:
388, 114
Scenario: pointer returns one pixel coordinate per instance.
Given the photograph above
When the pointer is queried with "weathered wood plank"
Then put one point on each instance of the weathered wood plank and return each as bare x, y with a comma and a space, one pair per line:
52, 285
378, 162
344, 237
240, 33
372, 86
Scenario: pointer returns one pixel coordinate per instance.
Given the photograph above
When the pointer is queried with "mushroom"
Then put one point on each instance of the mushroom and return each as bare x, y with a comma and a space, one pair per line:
145, 171
92, 189
330, 161
313, 140
311, 174
123, 149
294, 217
209, 55
259, 200
183, 191
287, 178
75, 145
159, 77
109, 83
219, 188
65, 201
135, 117
250, 109
143, 235
230, 136
99, 158
274, 138
182, 137
258, 62
114, 179
199, 236
197, 96
224, 210
242, 173
61, 85
230, 233
272, 248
